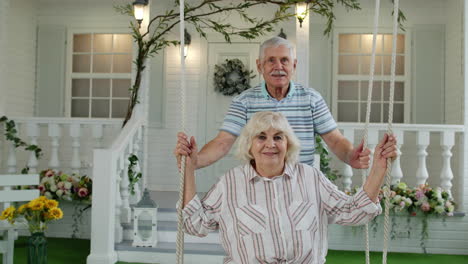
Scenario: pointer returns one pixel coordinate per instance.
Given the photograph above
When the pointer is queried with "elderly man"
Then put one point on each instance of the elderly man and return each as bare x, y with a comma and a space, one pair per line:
303, 107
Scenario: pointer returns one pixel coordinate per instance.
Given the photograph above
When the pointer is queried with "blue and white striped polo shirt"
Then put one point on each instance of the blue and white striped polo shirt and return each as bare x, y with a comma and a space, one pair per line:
304, 108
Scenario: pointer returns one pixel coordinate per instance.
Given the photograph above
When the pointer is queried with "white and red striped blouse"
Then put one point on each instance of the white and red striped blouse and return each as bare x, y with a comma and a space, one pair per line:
279, 220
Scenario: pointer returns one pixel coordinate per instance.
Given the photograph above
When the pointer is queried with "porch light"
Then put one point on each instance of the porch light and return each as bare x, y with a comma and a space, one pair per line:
302, 9
145, 222
187, 41
138, 10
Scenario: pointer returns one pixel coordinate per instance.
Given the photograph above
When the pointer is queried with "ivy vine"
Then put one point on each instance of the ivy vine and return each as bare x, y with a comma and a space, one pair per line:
320, 149
133, 177
11, 135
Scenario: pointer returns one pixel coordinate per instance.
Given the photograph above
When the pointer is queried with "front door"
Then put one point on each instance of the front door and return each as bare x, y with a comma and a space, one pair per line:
217, 104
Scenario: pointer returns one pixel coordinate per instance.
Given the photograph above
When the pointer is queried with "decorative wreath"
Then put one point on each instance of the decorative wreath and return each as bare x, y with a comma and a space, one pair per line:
232, 77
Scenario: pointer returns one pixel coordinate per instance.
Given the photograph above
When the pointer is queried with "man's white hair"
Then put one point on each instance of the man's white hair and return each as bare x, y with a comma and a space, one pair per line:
276, 42
260, 122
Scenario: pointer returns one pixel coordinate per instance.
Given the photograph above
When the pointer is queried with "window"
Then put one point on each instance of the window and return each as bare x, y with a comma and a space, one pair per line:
101, 66
352, 78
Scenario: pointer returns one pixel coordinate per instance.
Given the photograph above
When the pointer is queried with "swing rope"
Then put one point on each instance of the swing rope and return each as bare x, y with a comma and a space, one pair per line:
180, 220
388, 177
364, 173
389, 127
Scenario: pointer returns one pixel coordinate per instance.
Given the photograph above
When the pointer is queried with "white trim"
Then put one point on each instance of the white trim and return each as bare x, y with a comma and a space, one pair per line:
406, 78
464, 152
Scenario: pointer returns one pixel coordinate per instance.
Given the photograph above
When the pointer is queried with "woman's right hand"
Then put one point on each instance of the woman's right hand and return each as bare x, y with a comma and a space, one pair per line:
183, 147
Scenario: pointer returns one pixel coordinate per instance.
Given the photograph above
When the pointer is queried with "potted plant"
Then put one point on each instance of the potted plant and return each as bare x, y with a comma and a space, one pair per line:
37, 213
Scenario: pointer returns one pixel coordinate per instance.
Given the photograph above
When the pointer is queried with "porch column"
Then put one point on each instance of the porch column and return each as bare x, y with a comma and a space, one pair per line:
464, 153
302, 52
4, 7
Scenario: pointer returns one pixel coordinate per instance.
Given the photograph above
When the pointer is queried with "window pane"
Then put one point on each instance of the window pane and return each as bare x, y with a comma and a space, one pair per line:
80, 87
399, 94
122, 63
366, 43
387, 65
347, 112
123, 43
80, 108
365, 65
348, 90
374, 114
100, 108
119, 108
102, 43
376, 90
81, 63
400, 65
82, 43
349, 43
102, 63
101, 88
400, 43
398, 113
348, 64
120, 88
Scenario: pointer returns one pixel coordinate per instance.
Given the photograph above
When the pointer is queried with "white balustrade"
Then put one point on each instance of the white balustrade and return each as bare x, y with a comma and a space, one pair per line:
54, 134
447, 141
118, 200
75, 134
422, 142
33, 133
97, 134
126, 211
347, 171
397, 173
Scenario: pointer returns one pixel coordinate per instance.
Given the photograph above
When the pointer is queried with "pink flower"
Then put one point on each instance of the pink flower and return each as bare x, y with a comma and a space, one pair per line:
402, 204
49, 173
60, 185
41, 188
82, 192
425, 207
392, 194
419, 194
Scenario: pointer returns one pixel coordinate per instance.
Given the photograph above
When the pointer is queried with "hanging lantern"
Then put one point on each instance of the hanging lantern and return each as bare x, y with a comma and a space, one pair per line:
145, 222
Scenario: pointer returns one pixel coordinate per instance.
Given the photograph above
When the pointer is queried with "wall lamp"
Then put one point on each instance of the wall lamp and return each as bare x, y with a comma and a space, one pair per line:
138, 10
302, 9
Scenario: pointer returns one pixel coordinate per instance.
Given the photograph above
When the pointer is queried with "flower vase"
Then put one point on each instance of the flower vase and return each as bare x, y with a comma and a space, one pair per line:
37, 248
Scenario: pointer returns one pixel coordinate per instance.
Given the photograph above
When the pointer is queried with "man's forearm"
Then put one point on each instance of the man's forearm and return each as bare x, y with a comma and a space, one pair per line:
212, 152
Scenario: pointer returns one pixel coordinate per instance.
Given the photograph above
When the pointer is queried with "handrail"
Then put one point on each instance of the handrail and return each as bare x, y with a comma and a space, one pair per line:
405, 127
66, 120
123, 138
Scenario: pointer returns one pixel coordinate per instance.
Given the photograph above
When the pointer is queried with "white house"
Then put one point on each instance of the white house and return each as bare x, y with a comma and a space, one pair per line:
66, 66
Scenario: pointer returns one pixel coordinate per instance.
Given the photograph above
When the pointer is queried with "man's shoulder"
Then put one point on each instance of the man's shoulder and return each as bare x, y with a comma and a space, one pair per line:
251, 93
301, 90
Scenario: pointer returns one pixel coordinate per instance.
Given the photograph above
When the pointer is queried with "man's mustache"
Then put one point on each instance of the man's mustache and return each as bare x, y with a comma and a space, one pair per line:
279, 72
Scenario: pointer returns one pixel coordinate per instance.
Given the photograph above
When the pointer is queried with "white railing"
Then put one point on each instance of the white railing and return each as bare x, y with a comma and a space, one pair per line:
419, 145
66, 143
111, 199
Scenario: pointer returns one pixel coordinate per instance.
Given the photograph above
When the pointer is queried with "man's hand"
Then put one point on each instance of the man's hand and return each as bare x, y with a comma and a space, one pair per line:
185, 148
359, 157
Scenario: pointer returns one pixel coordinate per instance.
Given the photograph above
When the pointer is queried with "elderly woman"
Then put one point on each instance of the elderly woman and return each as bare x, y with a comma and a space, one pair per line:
274, 209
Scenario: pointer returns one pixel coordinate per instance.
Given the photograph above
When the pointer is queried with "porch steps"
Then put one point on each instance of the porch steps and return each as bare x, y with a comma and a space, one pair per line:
196, 249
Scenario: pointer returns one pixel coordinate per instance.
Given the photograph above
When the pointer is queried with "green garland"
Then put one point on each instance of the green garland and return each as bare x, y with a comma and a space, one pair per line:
133, 176
232, 77
11, 135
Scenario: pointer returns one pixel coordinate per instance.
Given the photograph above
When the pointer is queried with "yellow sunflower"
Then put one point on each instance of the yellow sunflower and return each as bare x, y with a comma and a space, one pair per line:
36, 205
56, 213
22, 208
8, 213
49, 204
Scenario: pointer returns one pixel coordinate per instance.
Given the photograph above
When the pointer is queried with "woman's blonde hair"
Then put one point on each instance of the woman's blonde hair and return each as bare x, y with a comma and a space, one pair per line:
260, 122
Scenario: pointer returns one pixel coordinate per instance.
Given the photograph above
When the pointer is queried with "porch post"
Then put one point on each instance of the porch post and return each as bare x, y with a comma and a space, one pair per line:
4, 7
302, 52
103, 210
464, 152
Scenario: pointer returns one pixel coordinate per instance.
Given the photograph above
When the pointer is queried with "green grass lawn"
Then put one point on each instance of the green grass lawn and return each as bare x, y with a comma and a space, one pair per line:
75, 251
